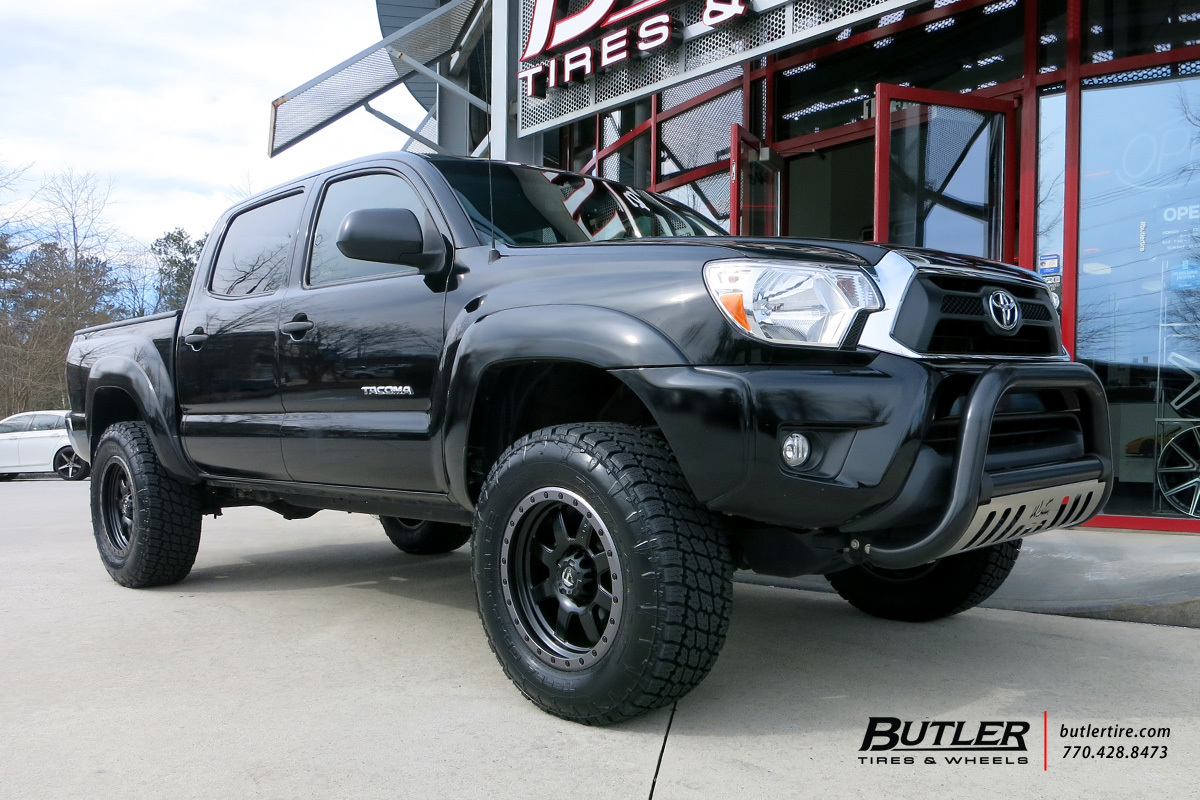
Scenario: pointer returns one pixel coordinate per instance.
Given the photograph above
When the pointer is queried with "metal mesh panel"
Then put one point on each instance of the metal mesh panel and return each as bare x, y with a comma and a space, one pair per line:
1190, 68
700, 135
709, 196
1148, 74
430, 131
707, 57
677, 95
305, 110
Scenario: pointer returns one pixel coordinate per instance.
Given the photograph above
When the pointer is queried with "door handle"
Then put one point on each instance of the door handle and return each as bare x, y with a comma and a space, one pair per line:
196, 339
299, 326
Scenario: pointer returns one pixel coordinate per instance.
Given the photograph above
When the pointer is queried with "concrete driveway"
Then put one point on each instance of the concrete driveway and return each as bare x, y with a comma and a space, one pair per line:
312, 659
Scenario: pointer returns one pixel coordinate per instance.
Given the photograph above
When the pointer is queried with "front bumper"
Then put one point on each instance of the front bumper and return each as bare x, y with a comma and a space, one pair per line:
874, 475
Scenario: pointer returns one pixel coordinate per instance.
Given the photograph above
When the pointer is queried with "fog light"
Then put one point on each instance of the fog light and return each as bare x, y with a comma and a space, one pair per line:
796, 449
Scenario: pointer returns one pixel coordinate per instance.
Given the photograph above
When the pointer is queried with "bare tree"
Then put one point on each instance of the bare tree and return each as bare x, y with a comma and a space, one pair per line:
61, 278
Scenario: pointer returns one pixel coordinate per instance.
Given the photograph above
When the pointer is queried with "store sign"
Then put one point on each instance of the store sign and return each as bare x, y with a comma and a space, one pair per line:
588, 56
611, 32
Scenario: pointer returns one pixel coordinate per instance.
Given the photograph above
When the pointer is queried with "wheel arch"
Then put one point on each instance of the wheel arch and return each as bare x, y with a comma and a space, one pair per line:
120, 390
521, 369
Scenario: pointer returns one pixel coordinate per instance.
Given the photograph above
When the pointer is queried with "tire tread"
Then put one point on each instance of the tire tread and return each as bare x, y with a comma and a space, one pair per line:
687, 545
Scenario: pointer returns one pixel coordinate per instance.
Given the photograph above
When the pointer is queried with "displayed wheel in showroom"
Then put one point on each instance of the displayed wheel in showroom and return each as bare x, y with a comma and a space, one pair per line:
424, 538
604, 587
947, 586
1178, 473
69, 466
146, 523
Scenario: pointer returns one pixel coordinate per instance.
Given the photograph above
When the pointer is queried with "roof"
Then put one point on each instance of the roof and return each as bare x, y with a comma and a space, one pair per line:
397, 14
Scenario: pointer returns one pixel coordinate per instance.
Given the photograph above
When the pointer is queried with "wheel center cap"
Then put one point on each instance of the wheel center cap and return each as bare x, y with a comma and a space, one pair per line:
574, 577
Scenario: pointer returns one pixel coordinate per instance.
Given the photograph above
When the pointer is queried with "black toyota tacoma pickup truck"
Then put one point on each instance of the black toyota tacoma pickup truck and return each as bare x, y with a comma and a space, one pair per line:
615, 402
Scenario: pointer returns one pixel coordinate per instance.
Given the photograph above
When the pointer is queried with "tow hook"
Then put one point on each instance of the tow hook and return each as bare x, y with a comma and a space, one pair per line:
857, 552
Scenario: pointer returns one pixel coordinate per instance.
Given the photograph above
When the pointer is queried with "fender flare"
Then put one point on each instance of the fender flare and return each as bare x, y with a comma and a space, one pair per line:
600, 337
150, 386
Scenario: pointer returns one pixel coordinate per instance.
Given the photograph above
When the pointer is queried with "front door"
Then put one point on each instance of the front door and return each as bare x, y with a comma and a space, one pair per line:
359, 354
945, 171
227, 354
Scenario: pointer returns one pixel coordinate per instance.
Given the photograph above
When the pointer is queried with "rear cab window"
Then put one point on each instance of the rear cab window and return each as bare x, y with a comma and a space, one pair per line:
257, 248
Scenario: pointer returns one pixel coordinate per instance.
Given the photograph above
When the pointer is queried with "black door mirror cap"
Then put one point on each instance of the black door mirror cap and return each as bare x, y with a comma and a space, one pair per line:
392, 236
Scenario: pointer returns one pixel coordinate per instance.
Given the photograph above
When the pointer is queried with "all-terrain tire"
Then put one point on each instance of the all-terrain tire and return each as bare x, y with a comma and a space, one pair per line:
424, 538
146, 523
651, 567
947, 586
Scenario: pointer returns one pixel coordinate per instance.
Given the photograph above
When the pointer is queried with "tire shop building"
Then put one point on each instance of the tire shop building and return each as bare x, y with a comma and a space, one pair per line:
1062, 135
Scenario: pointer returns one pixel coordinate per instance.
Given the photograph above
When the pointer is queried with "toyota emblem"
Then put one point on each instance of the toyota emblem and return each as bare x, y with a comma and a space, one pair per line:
1004, 310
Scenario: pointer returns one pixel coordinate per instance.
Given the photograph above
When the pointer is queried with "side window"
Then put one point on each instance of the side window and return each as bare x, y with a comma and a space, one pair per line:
254, 254
379, 190
47, 422
14, 425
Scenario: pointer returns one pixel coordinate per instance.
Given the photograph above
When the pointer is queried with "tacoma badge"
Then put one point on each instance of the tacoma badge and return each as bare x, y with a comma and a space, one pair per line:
388, 391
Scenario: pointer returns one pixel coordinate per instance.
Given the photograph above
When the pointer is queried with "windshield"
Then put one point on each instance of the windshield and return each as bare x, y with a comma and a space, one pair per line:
536, 207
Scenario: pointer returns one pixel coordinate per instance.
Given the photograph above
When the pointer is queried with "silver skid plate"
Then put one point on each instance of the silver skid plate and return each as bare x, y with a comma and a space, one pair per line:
1017, 515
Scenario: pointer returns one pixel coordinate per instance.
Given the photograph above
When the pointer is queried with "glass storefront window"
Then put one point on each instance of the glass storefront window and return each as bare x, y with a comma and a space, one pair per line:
1052, 35
698, 136
1139, 285
1119, 28
630, 164
1052, 187
976, 49
708, 195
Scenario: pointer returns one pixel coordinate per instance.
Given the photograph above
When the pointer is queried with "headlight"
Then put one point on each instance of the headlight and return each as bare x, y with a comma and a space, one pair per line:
791, 303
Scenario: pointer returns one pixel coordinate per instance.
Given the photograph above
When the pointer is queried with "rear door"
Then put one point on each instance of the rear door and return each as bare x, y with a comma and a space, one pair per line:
11, 431
227, 358
359, 350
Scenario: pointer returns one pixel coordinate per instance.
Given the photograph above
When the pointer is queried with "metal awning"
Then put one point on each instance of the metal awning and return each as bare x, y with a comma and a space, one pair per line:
361, 78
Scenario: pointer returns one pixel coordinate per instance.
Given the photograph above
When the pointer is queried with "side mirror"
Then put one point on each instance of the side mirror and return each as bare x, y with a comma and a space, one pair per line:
386, 235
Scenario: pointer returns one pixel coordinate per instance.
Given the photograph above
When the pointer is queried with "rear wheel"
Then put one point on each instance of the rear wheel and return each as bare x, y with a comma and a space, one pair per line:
604, 587
424, 538
69, 466
944, 587
146, 523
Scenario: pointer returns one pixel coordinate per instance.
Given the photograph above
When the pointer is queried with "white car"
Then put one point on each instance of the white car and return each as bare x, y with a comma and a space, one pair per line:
37, 442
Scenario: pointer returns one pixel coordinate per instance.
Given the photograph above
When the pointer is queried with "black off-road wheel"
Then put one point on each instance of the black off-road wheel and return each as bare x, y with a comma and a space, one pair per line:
147, 524
938, 589
69, 466
604, 587
424, 538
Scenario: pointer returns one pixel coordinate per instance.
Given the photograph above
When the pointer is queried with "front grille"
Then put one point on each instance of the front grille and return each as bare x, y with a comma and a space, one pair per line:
974, 306
948, 315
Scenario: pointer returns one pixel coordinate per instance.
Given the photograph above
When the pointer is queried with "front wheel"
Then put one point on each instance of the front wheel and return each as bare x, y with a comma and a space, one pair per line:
69, 466
603, 586
424, 538
938, 589
146, 523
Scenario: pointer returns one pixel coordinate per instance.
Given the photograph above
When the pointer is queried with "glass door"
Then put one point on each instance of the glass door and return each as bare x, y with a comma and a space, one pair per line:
754, 188
945, 171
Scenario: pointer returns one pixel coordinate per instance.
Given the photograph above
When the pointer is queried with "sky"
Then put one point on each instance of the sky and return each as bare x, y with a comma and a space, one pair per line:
170, 100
